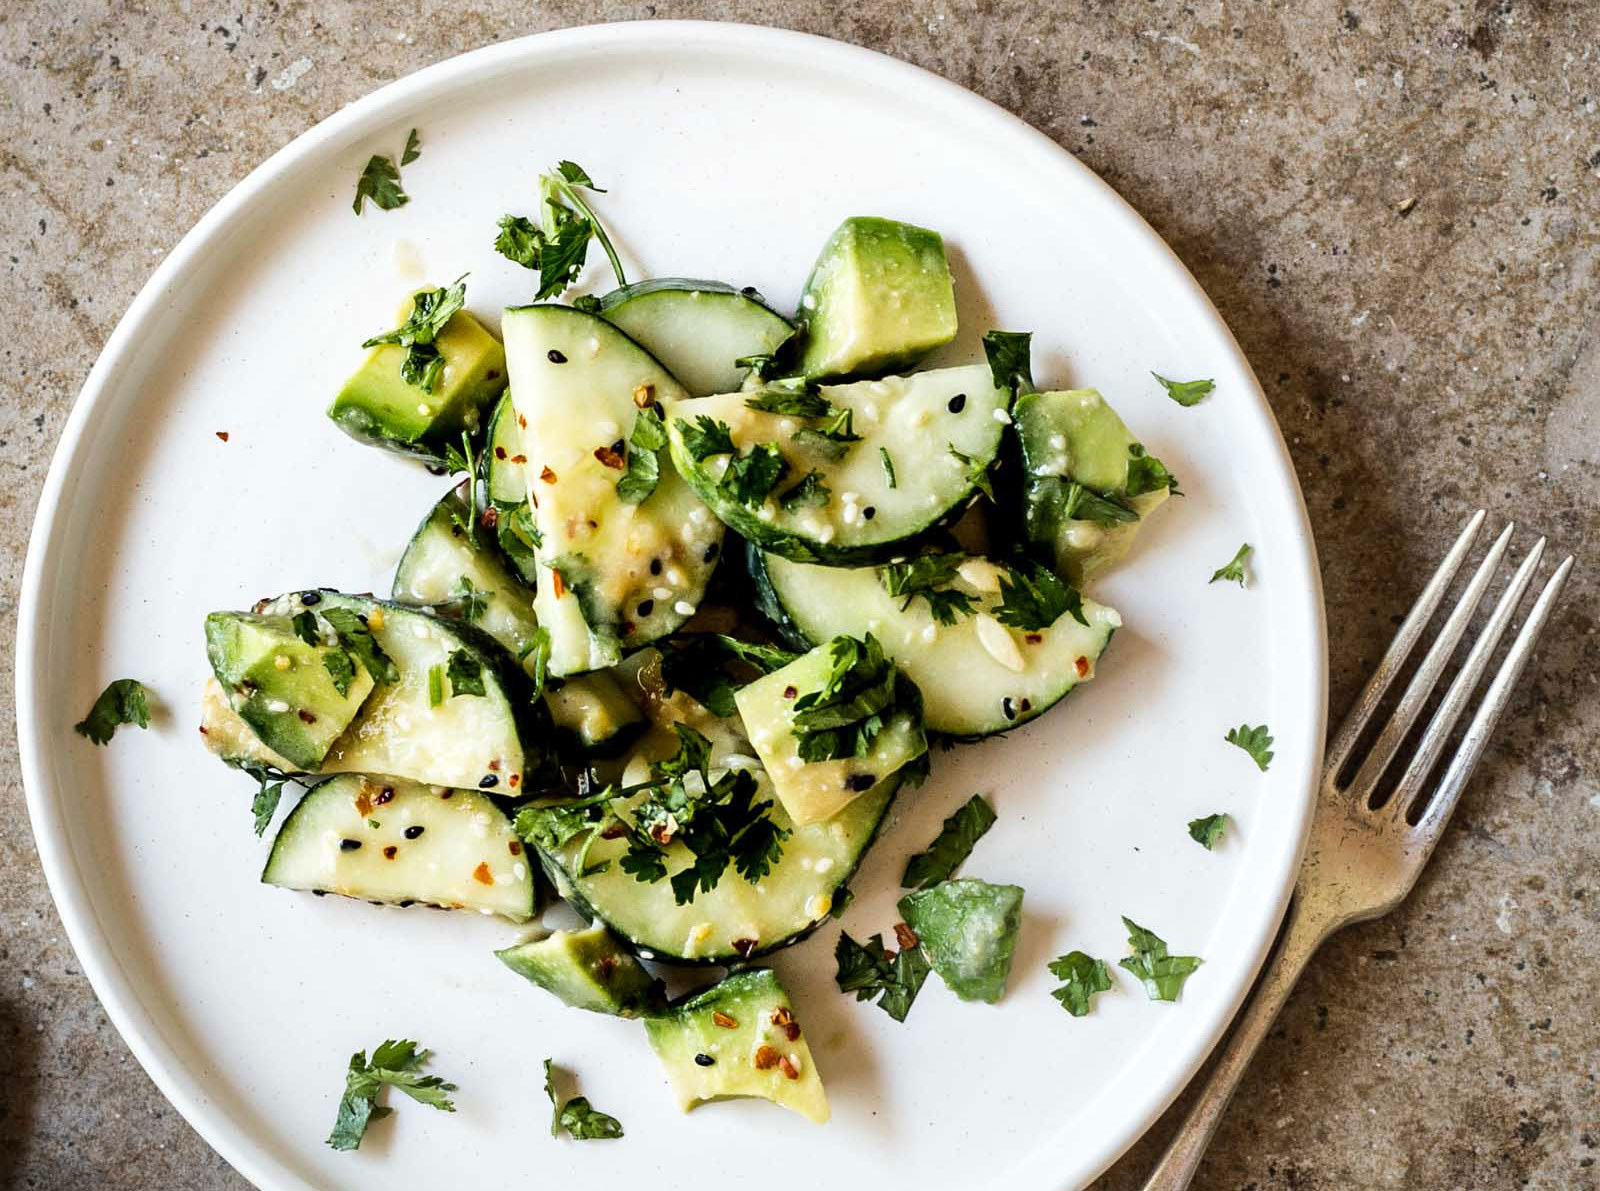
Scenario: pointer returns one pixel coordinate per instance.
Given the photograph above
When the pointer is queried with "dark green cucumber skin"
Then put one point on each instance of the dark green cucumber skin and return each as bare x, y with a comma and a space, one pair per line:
656, 285
503, 408
540, 764
559, 879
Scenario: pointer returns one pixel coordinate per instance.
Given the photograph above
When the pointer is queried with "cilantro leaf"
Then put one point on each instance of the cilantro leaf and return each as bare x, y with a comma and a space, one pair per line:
380, 182
305, 627
1254, 741
1010, 357
645, 441
705, 437
868, 971
1186, 392
1036, 600
1163, 975
341, 669
844, 716
1208, 832
577, 1116
518, 536
832, 439
1084, 978
761, 364
698, 664
124, 701
518, 240
353, 633
395, 1065
465, 673
269, 792
809, 493
1146, 473
413, 149
469, 603
572, 172
559, 249
1234, 569
796, 403
752, 476
1109, 510
888, 466
954, 843
927, 576
431, 309
977, 471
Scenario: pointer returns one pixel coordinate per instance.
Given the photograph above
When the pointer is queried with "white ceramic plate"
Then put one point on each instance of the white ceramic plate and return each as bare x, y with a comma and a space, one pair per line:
729, 152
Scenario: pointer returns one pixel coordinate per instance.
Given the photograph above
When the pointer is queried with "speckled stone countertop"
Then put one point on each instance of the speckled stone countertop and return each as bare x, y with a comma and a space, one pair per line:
1396, 207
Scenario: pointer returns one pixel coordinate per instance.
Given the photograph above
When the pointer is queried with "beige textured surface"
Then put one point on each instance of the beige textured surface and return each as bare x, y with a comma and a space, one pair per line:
1396, 208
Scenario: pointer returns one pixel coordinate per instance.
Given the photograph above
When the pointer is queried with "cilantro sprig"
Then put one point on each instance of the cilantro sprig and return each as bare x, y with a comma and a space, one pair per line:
645, 441
870, 971
1010, 355
558, 249
581, 1120
1163, 975
705, 437
929, 576
1084, 977
843, 717
124, 701
379, 179
1186, 392
1035, 599
394, 1065
954, 843
1208, 831
1254, 741
269, 792
1233, 570
431, 309
752, 475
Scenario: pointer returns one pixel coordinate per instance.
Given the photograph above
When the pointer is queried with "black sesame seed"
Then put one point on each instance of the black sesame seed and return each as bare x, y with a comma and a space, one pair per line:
711, 552
860, 782
349, 845
407, 902
319, 893
413, 832
750, 291
868, 513
1008, 708
618, 446
308, 598
488, 781
1027, 705
704, 1060
555, 357
957, 403
655, 566
646, 607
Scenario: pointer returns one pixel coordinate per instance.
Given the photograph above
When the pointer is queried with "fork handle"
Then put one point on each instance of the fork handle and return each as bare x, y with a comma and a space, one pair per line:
1302, 935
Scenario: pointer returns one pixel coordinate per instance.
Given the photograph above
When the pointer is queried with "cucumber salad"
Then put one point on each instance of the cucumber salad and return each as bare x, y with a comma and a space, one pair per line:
711, 586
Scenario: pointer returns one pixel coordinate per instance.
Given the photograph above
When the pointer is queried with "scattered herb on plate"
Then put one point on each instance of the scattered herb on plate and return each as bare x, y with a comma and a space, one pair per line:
1186, 392
1254, 741
954, 843
395, 1065
1163, 975
124, 701
1084, 978
581, 1120
1234, 569
869, 971
1208, 832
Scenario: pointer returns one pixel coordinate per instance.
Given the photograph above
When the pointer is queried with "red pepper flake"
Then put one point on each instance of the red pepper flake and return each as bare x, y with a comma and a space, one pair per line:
389, 852
614, 831
905, 936
519, 458
610, 458
1083, 667
644, 395
629, 628
490, 517
1033, 638
605, 965
494, 765
789, 692
514, 780
557, 583
765, 1058
223, 435
499, 452
306, 717
548, 476
745, 947
719, 1018
515, 847
786, 1065
482, 875
384, 795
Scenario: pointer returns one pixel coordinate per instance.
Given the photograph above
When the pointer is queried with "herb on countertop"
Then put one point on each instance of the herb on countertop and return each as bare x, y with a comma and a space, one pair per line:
431, 309
559, 249
1208, 832
1186, 392
869, 971
929, 576
1254, 741
954, 843
124, 701
1035, 600
1084, 978
1234, 571
396, 1065
577, 1116
1163, 975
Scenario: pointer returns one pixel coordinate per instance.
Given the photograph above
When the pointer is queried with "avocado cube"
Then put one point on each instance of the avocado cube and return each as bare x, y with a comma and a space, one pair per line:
738, 1038
282, 687
379, 407
586, 969
968, 930
879, 298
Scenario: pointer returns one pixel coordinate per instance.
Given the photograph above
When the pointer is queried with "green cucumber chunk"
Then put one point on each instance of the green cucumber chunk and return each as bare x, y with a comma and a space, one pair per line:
282, 687
1073, 437
379, 407
586, 969
399, 842
968, 930
977, 676
230, 738
879, 298
613, 575
812, 792
942, 430
738, 1038
698, 329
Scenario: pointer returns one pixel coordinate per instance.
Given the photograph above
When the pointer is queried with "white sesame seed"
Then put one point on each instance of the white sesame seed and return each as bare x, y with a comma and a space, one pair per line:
824, 864
1058, 442
661, 593
277, 707
424, 408
675, 577
683, 608
1002, 417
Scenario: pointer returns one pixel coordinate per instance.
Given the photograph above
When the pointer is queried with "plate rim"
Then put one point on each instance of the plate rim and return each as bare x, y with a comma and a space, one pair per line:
64, 878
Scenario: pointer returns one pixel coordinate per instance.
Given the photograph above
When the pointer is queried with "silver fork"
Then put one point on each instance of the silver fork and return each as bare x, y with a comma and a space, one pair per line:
1361, 862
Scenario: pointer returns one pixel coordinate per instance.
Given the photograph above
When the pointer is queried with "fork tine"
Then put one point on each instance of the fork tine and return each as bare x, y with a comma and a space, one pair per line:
1476, 738
1406, 711
1344, 741
1466, 681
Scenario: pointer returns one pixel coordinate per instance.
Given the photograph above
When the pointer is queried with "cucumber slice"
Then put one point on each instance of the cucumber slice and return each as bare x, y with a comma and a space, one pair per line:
593, 714
815, 791
1074, 440
494, 741
735, 921
399, 842
697, 329
586, 969
612, 575
976, 676
505, 480
738, 1038
969, 933
940, 430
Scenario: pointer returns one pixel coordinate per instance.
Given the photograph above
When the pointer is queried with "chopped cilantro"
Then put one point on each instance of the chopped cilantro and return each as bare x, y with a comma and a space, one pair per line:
396, 1065
435, 685
469, 603
1254, 741
698, 664
1109, 510
809, 493
831, 440
413, 149
380, 182
648, 436
868, 971
124, 701
1146, 473
1234, 569
465, 673
953, 844
1186, 392
431, 309
353, 633
1036, 600
341, 670
577, 1116
796, 403
844, 716
1208, 832
1084, 978
269, 790
539, 650
928, 576
761, 364
752, 476
1010, 356
304, 625
888, 466
705, 437
559, 249
977, 471
1163, 975
518, 536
